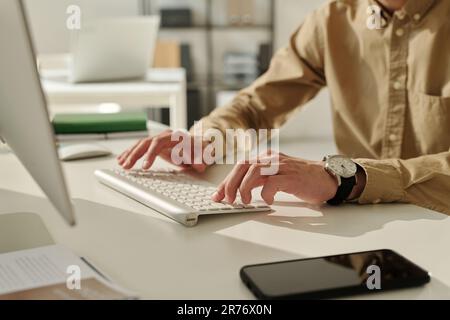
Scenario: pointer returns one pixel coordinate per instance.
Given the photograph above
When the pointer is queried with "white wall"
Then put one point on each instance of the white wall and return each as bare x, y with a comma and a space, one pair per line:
289, 15
314, 120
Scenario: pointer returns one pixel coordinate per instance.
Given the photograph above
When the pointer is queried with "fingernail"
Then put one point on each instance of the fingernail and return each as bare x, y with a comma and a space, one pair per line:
145, 164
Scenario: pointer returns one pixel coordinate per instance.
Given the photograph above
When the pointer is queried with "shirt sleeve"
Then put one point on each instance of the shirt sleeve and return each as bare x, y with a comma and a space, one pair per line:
423, 181
294, 77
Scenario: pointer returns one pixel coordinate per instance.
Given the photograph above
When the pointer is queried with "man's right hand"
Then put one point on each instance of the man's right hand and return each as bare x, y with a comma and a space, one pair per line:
159, 145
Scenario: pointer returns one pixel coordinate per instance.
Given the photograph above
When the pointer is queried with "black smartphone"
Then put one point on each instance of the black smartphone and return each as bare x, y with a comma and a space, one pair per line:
333, 276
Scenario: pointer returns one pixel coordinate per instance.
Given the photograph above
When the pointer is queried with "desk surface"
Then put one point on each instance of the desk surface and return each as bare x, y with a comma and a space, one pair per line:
161, 259
157, 81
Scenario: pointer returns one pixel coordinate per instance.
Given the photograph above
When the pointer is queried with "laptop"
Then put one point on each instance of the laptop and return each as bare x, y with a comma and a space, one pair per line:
113, 49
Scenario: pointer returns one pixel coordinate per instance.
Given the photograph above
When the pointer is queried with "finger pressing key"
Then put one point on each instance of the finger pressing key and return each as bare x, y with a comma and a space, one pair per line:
136, 154
122, 157
156, 147
233, 181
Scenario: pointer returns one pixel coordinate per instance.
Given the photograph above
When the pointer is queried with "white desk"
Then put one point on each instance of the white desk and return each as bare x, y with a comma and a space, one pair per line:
161, 259
161, 88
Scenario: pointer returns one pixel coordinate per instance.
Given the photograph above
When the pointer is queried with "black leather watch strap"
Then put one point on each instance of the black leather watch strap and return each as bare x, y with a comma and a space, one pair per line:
343, 191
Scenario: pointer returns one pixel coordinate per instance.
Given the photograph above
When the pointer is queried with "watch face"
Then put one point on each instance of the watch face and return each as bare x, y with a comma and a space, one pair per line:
341, 166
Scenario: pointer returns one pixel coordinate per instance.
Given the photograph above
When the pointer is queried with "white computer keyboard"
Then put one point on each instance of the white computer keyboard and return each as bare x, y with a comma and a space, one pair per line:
178, 195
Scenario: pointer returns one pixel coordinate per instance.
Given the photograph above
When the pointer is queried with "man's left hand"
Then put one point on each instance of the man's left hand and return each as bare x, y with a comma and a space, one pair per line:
304, 179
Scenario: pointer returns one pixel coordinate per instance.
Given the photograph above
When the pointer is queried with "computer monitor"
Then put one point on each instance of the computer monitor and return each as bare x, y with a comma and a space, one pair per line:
24, 119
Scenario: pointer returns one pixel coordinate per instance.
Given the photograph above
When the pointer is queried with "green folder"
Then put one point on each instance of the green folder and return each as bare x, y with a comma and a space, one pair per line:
99, 122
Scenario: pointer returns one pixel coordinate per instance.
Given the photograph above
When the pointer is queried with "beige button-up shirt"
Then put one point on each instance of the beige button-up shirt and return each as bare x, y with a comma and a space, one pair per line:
390, 92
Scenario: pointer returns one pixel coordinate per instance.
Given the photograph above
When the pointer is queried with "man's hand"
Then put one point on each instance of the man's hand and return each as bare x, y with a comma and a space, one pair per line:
160, 145
304, 179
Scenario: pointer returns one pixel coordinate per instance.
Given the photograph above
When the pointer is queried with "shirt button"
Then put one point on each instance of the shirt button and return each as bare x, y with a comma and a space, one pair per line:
417, 17
397, 85
392, 137
397, 108
399, 32
401, 15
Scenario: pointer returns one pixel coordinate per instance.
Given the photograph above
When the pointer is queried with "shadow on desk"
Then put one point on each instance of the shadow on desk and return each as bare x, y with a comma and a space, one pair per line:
162, 259
147, 254
350, 220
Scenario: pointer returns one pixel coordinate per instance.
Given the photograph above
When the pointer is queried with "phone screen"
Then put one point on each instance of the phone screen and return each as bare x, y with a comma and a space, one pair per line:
330, 276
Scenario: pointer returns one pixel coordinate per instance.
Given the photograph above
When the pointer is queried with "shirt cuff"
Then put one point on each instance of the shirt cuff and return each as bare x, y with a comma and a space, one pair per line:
383, 181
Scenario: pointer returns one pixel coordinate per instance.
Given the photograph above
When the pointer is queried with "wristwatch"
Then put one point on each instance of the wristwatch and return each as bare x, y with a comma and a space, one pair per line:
344, 170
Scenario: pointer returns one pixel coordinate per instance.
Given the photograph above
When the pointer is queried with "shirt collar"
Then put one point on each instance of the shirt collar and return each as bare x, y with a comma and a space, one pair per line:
415, 9
418, 8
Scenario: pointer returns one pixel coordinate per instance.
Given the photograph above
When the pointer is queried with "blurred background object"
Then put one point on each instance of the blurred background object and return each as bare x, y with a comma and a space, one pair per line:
199, 42
239, 68
180, 17
167, 54
240, 12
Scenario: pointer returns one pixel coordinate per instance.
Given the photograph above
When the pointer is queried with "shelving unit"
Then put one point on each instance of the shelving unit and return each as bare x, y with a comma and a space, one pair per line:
210, 81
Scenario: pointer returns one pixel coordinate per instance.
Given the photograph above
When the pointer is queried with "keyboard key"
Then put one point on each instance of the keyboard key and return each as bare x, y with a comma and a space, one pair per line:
175, 187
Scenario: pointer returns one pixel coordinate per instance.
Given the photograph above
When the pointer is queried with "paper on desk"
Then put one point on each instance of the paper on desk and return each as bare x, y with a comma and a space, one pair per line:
42, 273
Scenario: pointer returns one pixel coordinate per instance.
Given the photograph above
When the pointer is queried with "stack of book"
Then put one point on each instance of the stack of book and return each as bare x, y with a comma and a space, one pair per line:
94, 126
